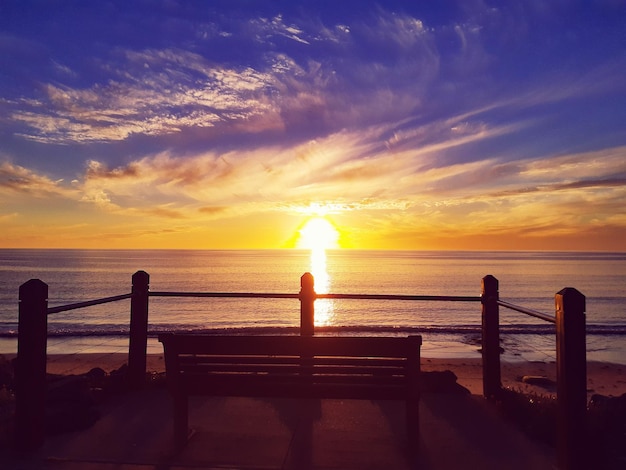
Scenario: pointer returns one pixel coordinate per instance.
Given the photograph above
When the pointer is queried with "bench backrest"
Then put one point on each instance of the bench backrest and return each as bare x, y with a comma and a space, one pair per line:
316, 366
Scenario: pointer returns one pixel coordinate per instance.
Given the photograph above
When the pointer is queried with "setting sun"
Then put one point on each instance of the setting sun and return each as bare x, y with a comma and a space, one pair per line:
318, 233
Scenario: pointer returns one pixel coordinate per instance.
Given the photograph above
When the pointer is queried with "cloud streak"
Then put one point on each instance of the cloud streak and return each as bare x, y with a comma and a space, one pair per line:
408, 122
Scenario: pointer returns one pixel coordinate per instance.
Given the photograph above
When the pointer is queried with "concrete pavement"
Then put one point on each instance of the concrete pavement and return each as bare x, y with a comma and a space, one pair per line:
135, 433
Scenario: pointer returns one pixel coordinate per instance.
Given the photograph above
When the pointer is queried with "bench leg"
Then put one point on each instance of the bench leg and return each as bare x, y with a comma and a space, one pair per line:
412, 425
181, 420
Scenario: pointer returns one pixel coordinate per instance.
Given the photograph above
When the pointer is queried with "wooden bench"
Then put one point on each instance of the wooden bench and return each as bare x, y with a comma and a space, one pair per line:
370, 368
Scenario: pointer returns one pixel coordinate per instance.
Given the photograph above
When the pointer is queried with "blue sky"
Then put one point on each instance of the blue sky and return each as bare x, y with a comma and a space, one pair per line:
226, 124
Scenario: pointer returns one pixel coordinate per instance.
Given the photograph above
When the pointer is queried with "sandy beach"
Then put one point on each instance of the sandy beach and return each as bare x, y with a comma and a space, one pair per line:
602, 378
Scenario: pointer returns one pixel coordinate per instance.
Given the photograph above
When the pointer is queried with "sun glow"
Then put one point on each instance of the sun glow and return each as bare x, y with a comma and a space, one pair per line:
318, 233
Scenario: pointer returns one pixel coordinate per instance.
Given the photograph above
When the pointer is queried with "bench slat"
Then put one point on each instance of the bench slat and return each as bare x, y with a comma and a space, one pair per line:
270, 368
275, 359
290, 345
207, 380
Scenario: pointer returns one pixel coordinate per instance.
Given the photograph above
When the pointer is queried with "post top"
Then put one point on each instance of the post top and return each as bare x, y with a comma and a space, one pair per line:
141, 277
34, 285
570, 291
569, 297
307, 281
489, 282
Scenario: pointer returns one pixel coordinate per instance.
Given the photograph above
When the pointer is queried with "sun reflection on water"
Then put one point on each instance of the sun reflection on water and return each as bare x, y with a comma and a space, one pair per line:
324, 308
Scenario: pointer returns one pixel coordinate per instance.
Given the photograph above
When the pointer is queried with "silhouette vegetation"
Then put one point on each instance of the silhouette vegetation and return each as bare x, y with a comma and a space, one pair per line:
536, 415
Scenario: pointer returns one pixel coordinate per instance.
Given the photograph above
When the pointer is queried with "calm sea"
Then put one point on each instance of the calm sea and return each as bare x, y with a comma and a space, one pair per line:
530, 279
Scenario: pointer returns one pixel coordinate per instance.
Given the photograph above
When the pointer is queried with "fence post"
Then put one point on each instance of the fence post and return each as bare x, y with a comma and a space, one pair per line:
492, 385
138, 341
571, 374
30, 371
307, 305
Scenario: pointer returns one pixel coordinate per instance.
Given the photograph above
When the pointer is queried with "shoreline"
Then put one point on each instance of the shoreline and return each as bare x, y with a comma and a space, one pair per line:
516, 347
603, 378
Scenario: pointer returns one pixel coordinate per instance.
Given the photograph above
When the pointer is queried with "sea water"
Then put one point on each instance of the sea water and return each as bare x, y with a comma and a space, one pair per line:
529, 279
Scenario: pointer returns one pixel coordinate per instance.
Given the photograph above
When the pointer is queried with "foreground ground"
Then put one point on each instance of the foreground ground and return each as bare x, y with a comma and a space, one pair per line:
132, 430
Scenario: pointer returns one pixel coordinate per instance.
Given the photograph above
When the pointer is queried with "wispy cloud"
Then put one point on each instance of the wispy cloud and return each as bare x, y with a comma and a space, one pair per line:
407, 120
162, 91
15, 180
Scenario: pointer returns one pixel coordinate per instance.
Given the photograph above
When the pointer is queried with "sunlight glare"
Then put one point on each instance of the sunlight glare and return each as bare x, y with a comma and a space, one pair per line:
324, 308
318, 233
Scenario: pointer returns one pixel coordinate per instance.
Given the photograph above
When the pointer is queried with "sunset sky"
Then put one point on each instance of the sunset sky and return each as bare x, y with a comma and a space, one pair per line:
228, 124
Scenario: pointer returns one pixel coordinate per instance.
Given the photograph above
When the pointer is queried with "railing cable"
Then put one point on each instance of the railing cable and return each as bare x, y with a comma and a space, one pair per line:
527, 311
88, 303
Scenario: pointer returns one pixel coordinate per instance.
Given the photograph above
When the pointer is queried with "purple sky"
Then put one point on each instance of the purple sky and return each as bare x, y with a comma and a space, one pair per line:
225, 124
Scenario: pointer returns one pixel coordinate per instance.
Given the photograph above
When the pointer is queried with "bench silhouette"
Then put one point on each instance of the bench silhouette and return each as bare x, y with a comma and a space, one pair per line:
366, 368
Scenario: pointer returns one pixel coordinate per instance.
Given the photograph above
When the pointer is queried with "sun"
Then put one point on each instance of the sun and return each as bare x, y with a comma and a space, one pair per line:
318, 233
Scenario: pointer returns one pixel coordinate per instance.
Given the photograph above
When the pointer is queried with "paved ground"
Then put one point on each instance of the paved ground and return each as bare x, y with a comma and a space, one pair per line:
134, 433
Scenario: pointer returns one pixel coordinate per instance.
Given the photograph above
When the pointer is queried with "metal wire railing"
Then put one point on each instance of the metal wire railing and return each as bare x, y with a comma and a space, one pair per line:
569, 320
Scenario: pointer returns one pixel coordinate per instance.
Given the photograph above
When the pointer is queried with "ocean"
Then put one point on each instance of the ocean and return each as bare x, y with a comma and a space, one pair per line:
529, 279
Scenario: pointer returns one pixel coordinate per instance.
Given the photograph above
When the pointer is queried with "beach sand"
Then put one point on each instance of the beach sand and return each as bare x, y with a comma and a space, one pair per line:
602, 378
79, 355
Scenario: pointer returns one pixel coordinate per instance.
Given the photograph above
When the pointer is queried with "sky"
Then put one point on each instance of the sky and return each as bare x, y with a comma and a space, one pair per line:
449, 125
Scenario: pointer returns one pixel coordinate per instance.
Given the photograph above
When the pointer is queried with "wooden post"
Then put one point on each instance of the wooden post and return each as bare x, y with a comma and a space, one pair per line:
412, 405
138, 341
571, 374
30, 372
492, 384
307, 305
